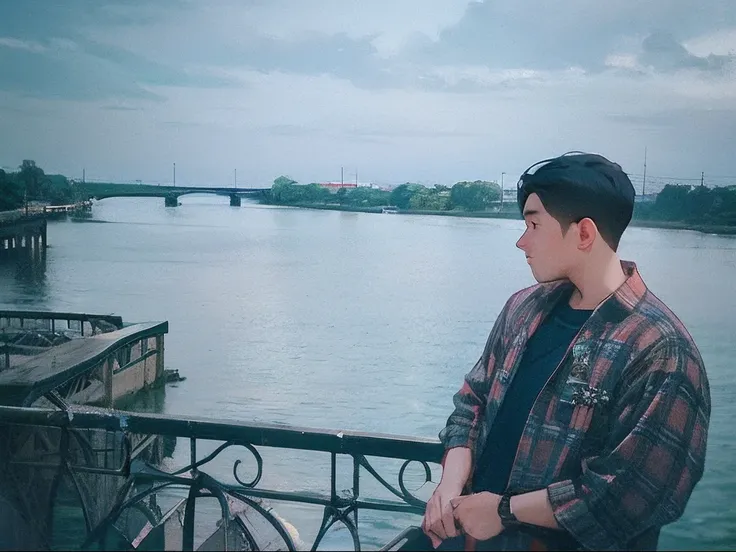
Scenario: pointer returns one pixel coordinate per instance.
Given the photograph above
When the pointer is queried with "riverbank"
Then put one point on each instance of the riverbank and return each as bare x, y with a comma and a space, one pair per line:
723, 230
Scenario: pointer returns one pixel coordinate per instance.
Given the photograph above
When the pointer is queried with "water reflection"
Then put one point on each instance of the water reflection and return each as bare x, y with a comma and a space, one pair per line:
25, 271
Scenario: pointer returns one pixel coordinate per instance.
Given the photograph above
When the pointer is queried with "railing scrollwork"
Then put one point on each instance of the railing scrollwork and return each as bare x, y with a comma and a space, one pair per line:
248, 518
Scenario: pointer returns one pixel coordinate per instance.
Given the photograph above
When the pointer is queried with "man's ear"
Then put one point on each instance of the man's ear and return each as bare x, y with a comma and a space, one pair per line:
587, 232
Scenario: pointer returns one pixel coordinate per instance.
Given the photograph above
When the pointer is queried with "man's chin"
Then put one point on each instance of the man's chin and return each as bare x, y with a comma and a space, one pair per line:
542, 278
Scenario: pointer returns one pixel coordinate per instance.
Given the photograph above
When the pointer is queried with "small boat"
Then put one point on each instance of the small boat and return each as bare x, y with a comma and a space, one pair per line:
389, 210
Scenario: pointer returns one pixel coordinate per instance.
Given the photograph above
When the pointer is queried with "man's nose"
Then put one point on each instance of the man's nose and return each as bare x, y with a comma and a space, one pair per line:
521, 242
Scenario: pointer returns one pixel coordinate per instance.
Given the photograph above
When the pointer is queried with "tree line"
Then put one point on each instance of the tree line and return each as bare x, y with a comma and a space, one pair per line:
30, 183
675, 203
692, 204
467, 196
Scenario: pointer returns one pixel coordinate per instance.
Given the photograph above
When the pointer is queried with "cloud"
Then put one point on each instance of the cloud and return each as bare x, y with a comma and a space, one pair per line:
661, 51
26, 45
45, 53
120, 108
508, 34
423, 89
63, 75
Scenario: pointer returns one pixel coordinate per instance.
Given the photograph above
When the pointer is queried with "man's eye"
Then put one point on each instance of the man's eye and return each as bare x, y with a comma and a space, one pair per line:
534, 224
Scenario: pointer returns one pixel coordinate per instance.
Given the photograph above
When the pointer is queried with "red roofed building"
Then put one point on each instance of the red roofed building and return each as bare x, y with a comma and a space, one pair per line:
334, 186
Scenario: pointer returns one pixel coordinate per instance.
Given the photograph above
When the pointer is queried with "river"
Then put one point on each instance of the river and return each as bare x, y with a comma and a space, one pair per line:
355, 321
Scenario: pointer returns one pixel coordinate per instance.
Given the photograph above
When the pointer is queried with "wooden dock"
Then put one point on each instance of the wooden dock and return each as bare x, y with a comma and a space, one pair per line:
99, 369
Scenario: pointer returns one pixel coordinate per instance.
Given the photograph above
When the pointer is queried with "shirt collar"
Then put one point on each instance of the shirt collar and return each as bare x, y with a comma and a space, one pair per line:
616, 306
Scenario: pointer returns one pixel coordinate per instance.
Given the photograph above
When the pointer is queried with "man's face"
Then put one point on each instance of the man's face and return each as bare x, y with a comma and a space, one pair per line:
548, 252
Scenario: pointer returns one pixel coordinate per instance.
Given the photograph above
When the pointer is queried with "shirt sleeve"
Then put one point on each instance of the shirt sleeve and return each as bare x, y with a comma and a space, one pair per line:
463, 424
656, 455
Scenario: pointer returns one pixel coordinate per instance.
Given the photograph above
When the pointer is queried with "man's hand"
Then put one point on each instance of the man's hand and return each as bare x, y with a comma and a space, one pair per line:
439, 523
477, 515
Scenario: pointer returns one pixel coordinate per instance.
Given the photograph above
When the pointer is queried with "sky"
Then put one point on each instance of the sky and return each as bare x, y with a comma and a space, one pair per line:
430, 91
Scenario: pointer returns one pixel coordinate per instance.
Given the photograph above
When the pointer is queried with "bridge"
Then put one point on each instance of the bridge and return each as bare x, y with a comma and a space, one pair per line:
171, 194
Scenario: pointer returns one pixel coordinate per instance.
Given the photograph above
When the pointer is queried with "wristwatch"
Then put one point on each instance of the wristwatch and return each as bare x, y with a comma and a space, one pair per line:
508, 519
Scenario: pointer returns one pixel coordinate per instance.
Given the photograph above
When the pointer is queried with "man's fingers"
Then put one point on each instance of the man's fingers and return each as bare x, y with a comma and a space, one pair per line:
436, 541
448, 520
427, 520
436, 525
434, 521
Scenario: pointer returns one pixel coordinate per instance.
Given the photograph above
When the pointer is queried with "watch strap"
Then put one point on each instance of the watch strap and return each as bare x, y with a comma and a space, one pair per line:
508, 519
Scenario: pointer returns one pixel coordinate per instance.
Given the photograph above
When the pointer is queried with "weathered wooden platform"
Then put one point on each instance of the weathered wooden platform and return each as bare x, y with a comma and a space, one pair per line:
72, 367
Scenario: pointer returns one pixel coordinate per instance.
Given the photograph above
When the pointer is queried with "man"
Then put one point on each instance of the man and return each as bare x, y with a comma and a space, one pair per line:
584, 423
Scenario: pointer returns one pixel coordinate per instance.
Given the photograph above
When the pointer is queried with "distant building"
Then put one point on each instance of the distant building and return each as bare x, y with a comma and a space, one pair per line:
646, 198
335, 186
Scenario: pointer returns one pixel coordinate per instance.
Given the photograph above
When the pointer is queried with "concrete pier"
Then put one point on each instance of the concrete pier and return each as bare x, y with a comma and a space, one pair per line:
23, 236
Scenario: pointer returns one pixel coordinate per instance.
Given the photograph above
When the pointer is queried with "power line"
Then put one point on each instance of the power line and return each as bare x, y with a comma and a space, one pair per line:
663, 177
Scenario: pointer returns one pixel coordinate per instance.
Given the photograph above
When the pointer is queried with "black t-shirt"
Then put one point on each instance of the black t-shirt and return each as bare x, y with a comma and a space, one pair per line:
543, 353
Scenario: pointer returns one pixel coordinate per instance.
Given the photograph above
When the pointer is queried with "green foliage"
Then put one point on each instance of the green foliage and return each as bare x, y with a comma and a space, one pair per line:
32, 184
57, 190
34, 179
430, 199
286, 191
695, 204
475, 196
401, 195
11, 194
283, 180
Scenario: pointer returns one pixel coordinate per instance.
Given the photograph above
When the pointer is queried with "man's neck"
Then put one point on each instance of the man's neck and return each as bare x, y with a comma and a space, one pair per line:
596, 282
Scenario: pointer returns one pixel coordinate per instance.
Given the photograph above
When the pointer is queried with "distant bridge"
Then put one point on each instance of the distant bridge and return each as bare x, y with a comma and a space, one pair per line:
96, 190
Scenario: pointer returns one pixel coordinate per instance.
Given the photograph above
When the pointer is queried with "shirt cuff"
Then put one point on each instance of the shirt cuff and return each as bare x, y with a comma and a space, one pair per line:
573, 515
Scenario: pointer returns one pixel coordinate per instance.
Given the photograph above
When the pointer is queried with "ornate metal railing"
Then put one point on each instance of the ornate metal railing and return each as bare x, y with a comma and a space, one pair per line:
84, 324
161, 507
32, 332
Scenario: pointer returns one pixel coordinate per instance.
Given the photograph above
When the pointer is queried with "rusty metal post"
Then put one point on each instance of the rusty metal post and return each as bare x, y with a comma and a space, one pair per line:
159, 359
107, 380
7, 350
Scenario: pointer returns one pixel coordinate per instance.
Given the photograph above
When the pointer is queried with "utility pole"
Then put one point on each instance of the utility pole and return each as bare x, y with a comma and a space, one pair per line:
702, 177
83, 175
356, 177
174, 174
644, 184
236, 178
342, 176
503, 173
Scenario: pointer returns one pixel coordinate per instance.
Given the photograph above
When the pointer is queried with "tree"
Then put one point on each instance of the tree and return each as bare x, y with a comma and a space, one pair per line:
475, 196
366, 197
281, 180
430, 199
32, 178
342, 195
283, 190
401, 195
57, 190
671, 202
11, 196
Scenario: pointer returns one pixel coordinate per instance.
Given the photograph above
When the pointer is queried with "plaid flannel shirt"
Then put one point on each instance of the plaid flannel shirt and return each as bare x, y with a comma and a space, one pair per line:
618, 434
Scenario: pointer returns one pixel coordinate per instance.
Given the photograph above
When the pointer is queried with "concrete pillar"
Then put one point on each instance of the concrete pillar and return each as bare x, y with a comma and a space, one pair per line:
234, 200
171, 200
37, 249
